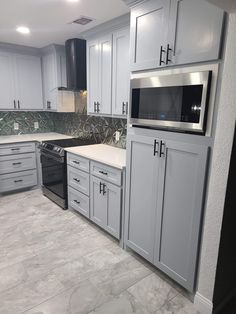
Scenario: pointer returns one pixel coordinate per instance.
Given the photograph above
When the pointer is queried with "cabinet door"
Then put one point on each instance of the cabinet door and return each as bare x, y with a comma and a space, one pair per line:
141, 195
182, 171
98, 201
121, 72
93, 78
29, 82
7, 95
113, 209
149, 28
195, 31
104, 106
49, 81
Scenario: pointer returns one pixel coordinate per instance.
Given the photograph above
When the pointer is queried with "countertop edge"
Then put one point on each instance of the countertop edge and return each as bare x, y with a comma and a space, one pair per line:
105, 162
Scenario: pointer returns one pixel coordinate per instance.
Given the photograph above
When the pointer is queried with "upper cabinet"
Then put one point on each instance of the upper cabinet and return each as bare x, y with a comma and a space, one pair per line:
29, 82
93, 82
108, 74
21, 81
54, 78
99, 73
121, 72
7, 78
194, 31
149, 27
174, 32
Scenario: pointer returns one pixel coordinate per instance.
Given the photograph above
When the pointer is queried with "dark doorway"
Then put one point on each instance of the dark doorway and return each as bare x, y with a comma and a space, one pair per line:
224, 298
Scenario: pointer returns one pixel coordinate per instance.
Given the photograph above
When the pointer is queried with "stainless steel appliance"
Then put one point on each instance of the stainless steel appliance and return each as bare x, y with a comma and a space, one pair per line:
54, 174
176, 101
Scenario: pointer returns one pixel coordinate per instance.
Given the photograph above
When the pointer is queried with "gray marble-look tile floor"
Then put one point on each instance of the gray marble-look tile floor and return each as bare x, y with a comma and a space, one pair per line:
57, 262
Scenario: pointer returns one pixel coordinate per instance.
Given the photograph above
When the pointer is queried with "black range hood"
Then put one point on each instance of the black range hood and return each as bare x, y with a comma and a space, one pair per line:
76, 64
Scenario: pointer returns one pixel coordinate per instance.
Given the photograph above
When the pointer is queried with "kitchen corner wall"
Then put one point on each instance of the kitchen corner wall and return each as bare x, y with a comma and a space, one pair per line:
73, 124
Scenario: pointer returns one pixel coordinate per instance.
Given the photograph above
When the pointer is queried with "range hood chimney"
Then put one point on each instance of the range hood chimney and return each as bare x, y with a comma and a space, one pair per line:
76, 64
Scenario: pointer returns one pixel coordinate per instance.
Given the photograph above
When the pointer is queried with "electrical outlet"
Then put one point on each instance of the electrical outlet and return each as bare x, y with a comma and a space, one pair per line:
16, 126
36, 125
117, 136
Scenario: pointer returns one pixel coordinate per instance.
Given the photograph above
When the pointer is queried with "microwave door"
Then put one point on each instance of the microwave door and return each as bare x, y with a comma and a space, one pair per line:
180, 105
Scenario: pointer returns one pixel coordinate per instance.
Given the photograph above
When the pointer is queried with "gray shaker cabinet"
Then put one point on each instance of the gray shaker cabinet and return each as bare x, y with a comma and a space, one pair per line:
179, 210
164, 204
149, 22
142, 187
169, 32
194, 31
105, 205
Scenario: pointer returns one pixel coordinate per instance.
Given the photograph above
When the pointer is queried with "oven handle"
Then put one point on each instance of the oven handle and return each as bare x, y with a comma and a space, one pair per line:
49, 156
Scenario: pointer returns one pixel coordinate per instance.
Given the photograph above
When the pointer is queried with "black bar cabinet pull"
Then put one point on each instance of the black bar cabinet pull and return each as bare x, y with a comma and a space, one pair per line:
76, 162
18, 102
161, 53
98, 109
95, 110
102, 172
123, 108
17, 181
77, 180
156, 145
77, 202
167, 54
14, 104
162, 151
13, 149
100, 187
16, 163
103, 190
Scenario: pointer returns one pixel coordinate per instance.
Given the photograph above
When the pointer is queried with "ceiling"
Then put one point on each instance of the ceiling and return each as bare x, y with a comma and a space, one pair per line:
227, 5
50, 20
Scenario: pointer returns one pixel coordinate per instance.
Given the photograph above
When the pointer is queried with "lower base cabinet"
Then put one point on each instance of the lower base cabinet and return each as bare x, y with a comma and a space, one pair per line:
165, 193
106, 205
95, 191
78, 201
18, 167
18, 181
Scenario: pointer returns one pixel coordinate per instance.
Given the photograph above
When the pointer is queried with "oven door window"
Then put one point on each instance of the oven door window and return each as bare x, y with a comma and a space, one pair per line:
53, 174
174, 103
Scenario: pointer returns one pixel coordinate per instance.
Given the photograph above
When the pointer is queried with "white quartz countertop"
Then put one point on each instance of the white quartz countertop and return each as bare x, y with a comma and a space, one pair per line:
106, 154
37, 137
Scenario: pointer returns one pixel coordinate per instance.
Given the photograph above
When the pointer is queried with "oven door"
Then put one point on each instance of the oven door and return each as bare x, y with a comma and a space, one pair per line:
54, 173
177, 101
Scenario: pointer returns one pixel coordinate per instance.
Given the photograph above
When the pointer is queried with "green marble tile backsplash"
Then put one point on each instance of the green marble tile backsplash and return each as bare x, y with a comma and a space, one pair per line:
73, 124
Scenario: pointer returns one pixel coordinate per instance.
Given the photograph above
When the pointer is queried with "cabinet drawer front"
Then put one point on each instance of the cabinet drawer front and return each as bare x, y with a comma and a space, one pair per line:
110, 174
18, 180
78, 179
14, 149
78, 201
17, 163
78, 162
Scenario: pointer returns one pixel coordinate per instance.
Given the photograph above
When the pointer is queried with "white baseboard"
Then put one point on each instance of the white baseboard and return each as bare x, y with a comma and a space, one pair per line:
202, 304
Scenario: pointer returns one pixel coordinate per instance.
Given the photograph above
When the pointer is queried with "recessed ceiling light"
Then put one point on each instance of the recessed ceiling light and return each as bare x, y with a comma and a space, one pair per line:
72, 0
23, 30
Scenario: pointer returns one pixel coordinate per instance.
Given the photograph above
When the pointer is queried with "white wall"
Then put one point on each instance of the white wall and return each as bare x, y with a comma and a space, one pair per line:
219, 174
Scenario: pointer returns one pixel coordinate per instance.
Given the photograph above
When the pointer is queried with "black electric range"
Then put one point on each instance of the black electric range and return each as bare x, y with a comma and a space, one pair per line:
54, 169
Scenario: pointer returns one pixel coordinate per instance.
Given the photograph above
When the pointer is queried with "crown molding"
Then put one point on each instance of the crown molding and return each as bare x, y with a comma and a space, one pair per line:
13, 48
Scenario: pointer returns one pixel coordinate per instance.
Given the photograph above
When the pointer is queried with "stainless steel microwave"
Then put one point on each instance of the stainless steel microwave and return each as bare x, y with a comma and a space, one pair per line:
175, 101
